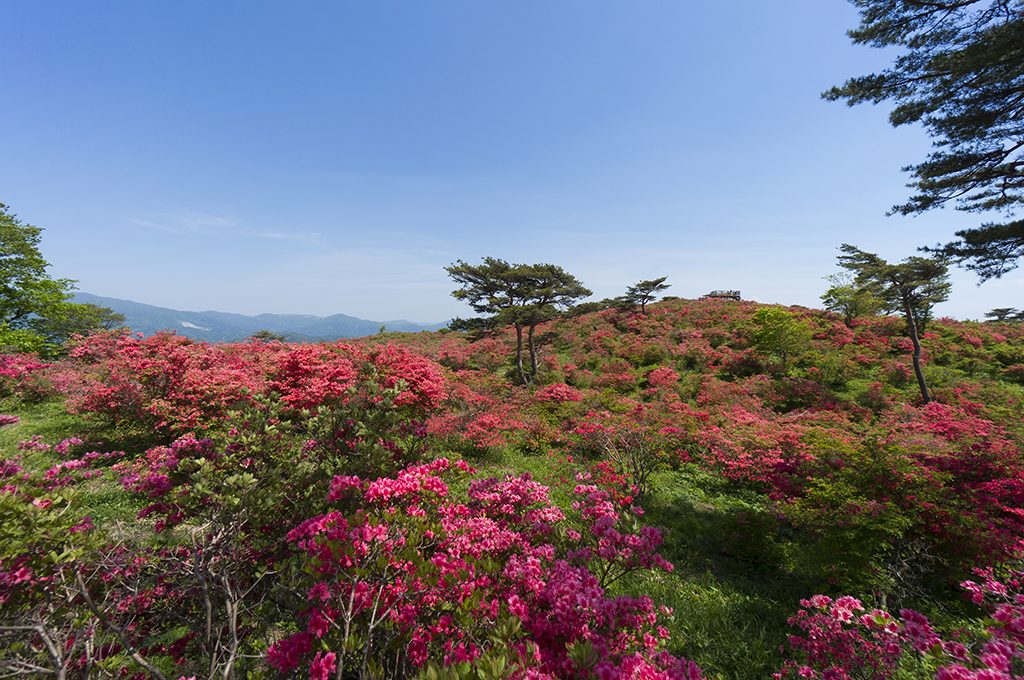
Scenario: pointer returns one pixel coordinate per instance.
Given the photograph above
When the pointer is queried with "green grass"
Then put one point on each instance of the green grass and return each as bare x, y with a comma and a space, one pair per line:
730, 591
101, 498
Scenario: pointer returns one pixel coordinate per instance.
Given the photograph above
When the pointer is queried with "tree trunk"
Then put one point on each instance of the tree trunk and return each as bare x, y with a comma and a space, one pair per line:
519, 354
533, 353
912, 325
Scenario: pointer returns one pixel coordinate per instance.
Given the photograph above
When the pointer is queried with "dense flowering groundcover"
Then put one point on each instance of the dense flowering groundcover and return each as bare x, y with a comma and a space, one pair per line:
313, 509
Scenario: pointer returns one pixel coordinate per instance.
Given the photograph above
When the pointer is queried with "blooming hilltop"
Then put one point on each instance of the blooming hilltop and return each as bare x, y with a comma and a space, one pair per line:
656, 504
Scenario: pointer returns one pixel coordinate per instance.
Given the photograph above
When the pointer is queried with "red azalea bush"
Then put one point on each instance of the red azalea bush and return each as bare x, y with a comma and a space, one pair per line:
180, 385
21, 375
558, 393
839, 639
402, 573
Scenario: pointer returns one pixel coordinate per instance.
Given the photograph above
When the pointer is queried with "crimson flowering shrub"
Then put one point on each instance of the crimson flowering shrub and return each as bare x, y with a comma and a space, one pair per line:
402, 575
72, 603
752, 446
839, 639
635, 448
166, 381
478, 428
181, 386
40, 541
21, 376
980, 472
558, 393
204, 591
662, 377
309, 375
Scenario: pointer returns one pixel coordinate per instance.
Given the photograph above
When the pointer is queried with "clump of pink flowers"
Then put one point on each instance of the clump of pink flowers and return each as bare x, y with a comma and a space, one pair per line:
840, 639
413, 571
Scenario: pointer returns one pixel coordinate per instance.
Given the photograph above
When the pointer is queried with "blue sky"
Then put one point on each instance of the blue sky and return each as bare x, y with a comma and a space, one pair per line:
324, 157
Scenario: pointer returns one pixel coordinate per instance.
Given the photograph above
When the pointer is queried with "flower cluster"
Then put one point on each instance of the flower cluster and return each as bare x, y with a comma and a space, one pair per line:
841, 640
415, 573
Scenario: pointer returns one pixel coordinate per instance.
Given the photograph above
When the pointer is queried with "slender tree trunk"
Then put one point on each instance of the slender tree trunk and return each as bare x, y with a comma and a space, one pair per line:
533, 353
519, 354
643, 307
912, 325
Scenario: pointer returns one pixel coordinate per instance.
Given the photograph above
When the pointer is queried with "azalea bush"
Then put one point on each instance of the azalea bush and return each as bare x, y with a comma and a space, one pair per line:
404, 578
841, 638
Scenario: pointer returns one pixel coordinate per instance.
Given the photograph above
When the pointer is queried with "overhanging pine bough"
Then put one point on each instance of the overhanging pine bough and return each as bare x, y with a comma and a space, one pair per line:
960, 75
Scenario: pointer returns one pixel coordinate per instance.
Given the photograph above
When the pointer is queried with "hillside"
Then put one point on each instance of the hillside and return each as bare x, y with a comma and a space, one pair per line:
669, 493
226, 327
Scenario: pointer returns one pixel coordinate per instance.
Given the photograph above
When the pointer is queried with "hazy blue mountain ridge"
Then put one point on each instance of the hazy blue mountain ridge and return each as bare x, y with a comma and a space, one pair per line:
215, 326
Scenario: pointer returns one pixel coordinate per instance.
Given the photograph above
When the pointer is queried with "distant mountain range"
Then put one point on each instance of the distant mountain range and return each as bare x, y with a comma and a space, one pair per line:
227, 327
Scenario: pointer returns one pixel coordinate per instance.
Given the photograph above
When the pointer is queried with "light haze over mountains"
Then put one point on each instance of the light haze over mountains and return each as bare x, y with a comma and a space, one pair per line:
227, 327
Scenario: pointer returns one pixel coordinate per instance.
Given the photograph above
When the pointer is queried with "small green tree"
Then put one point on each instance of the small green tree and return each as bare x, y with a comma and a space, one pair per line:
265, 335
65, 319
520, 295
1001, 313
851, 301
780, 333
644, 292
912, 287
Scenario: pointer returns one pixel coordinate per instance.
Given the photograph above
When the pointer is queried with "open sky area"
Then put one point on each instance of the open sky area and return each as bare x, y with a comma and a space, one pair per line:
326, 157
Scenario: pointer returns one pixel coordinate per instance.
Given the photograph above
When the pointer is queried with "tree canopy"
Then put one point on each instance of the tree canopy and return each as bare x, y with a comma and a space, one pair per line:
520, 295
845, 297
642, 293
959, 73
779, 332
1004, 314
912, 287
36, 313
25, 286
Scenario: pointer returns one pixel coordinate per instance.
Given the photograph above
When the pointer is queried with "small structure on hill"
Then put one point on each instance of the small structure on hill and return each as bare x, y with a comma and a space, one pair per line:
722, 295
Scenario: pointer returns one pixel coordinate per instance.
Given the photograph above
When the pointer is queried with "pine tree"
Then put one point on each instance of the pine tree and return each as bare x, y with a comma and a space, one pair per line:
959, 73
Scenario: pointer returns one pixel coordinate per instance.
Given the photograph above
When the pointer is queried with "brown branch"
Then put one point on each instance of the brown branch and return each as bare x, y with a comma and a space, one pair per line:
117, 630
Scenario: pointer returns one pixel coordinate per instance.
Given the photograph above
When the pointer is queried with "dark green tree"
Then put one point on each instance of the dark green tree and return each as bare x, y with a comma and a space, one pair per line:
642, 293
959, 73
476, 325
1001, 313
520, 295
589, 307
911, 287
265, 335
551, 289
66, 319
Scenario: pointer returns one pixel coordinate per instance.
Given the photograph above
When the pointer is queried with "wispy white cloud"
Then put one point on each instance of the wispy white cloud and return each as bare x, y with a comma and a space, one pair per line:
285, 235
192, 223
